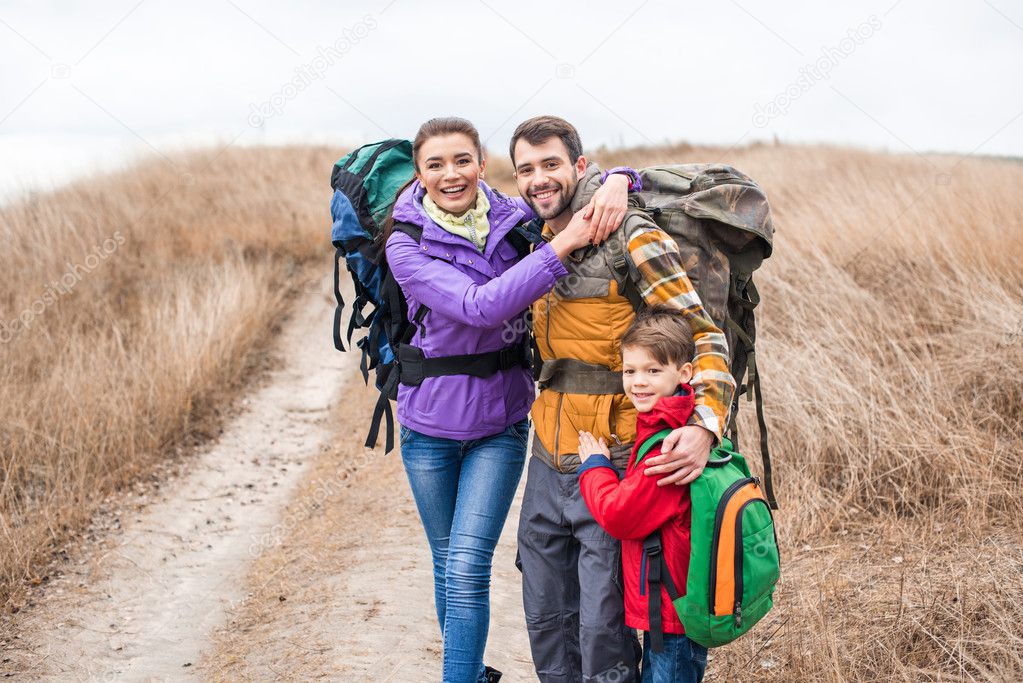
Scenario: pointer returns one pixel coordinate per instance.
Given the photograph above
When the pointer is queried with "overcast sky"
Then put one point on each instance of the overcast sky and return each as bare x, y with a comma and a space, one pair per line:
92, 85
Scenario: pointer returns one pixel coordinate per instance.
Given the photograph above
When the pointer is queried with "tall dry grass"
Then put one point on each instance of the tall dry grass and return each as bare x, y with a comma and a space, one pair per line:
135, 306
891, 356
891, 351
891, 341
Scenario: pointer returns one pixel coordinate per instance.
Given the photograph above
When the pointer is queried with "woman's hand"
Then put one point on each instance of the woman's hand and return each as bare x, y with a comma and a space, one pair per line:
574, 236
589, 446
607, 207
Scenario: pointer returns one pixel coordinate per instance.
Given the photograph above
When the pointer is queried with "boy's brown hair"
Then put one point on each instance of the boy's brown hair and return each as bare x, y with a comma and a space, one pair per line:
662, 332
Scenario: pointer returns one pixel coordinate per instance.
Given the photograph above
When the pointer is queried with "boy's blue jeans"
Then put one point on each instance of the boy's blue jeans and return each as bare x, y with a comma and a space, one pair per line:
681, 661
463, 490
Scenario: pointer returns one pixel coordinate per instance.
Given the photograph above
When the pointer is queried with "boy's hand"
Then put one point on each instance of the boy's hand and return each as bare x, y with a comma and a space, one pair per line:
684, 454
589, 446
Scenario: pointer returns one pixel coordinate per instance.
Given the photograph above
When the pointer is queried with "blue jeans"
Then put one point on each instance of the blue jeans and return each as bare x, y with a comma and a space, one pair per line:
463, 490
681, 661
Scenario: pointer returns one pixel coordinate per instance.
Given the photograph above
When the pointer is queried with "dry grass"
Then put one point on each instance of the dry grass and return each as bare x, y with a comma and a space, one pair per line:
891, 340
148, 297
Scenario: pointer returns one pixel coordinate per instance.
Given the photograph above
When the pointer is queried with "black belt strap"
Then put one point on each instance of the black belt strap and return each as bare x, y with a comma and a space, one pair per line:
657, 574
415, 367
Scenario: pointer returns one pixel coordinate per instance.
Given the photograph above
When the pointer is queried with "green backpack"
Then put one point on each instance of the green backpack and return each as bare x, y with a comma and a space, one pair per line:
734, 562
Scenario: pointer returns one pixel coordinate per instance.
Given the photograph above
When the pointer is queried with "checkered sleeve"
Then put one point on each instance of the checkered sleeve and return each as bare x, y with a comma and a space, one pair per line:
663, 280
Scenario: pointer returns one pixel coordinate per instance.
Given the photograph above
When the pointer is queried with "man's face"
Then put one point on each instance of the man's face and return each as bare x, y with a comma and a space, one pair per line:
545, 176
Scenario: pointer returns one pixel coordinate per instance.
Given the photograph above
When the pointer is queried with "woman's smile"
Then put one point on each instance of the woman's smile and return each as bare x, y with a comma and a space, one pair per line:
450, 171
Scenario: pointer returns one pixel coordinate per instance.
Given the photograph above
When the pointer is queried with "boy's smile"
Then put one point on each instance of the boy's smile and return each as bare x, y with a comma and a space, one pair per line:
646, 379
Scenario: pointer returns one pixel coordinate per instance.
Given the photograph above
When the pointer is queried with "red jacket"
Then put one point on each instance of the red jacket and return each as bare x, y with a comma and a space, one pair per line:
633, 508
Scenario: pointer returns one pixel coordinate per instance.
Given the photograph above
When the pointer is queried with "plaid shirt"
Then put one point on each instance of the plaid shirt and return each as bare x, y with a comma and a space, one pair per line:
663, 280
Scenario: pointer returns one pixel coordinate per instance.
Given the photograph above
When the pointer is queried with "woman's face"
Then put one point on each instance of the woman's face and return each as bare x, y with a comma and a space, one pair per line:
449, 169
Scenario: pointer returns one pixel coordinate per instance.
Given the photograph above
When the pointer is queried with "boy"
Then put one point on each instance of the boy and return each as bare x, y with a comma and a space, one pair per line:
656, 366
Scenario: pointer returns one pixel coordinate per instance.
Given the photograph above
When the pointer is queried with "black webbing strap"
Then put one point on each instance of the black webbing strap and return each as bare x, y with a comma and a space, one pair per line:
657, 575
383, 410
358, 318
415, 367
762, 422
752, 389
364, 361
338, 255
389, 390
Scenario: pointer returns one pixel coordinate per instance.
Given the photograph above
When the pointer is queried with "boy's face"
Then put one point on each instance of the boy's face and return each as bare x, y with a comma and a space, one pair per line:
646, 379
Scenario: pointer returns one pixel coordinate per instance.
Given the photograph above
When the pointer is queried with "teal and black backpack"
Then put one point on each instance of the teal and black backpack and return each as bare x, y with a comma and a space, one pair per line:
366, 183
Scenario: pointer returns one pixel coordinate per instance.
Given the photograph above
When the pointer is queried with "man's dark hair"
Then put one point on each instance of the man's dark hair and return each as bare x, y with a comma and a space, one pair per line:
540, 129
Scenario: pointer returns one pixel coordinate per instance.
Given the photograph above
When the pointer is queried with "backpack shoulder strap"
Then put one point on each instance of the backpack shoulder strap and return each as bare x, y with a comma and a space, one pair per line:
649, 443
657, 575
524, 237
618, 260
411, 229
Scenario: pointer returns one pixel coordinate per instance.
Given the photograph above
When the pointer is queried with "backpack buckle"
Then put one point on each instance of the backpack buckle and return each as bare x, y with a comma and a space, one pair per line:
513, 357
652, 546
506, 358
411, 364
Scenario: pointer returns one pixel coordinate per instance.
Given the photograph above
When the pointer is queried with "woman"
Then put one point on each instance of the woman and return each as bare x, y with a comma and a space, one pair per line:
463, 437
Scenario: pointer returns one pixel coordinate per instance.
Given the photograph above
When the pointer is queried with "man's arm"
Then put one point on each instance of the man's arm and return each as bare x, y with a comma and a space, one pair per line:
608, 205
663, 280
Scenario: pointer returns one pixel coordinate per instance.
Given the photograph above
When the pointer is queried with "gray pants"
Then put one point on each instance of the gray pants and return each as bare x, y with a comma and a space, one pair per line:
575, 635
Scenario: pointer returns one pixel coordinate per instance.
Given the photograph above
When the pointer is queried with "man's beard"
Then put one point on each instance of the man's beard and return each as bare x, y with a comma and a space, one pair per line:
563, 203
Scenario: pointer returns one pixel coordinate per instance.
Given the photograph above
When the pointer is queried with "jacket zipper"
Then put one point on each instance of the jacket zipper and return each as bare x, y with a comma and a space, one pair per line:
718, 520
739, 557
557, 435
612, 422
561, 397
642, 574
547, 333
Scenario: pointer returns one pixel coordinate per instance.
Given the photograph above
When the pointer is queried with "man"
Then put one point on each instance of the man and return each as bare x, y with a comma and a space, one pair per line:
571, 568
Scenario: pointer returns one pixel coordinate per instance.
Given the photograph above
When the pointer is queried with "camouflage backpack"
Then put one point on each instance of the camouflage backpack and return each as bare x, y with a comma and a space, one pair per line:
721, 221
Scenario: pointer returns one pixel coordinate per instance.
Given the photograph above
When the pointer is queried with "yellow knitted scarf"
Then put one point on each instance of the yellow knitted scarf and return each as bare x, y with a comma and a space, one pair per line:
472, 225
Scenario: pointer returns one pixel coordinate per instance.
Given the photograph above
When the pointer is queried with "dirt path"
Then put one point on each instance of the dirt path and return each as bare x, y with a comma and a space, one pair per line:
287, 550
349, 595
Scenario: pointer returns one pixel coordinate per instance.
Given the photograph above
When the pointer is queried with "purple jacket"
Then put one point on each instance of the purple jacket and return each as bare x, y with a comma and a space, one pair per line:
477, 303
